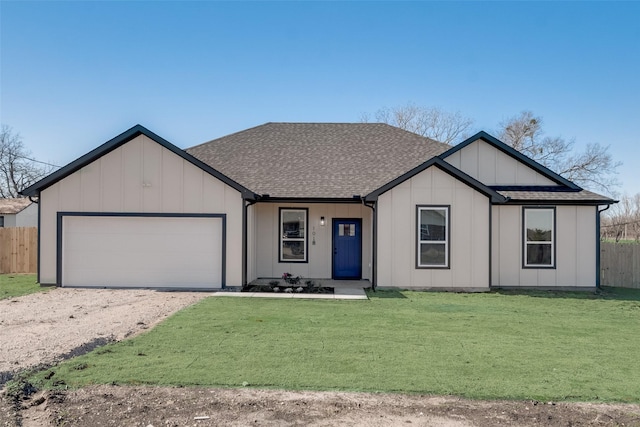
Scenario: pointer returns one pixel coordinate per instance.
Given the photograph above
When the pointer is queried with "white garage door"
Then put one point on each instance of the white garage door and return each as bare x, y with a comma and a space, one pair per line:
159, 252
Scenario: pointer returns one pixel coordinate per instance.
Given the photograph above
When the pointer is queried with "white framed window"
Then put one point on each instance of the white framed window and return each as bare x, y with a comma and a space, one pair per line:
433, 237
539, 229
293, 235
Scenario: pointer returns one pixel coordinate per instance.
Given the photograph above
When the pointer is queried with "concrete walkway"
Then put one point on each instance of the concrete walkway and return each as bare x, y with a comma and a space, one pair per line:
342, 289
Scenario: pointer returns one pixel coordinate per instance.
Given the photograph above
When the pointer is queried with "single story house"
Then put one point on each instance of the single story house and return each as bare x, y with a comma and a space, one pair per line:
320, 200
18, 212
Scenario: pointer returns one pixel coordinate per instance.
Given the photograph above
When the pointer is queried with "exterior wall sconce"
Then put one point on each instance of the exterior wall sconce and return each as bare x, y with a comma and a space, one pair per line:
322, 220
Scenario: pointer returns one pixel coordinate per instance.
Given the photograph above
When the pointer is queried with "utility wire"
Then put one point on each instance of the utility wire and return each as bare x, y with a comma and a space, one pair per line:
38, 161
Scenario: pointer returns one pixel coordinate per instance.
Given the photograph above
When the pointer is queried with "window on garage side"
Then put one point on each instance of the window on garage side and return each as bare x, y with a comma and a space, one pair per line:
293, 235
433, 237
539, 237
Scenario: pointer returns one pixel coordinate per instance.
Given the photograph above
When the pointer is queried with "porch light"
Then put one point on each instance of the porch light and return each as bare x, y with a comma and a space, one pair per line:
321, 220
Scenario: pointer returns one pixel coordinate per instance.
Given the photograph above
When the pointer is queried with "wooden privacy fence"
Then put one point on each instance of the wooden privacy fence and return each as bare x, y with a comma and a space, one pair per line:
620, 265
18, 250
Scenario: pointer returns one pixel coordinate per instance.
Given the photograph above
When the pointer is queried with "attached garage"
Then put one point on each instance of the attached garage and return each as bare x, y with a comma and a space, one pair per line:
138, 212
146, 250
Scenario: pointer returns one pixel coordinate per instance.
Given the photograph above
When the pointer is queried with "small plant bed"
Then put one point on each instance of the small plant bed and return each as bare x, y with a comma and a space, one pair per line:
289, 284
286, 288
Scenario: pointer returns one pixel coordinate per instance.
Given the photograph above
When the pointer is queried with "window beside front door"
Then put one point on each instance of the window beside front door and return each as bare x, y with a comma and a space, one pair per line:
293, 235
539, 237
433, 237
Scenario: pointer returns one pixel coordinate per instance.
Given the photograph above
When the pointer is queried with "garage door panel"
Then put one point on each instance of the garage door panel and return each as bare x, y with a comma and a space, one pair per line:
176, 252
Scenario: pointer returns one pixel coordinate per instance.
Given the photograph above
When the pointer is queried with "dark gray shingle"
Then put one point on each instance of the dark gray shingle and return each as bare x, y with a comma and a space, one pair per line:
582, 196
317, 160
337, 160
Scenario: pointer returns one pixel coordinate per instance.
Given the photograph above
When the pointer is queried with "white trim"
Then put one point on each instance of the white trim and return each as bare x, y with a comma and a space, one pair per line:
444, 242
302, 239
550, 242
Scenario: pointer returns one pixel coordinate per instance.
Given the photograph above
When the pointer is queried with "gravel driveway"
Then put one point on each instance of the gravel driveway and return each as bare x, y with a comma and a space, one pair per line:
42, 328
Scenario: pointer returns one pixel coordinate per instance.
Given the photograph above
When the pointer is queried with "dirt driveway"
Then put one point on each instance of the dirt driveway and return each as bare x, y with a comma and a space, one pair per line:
46, 327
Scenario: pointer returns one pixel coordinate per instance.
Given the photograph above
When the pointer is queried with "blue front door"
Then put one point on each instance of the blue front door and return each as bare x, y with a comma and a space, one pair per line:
347, 248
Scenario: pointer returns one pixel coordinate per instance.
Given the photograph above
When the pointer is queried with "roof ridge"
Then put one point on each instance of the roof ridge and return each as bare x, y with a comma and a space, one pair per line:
329, 123
394, 128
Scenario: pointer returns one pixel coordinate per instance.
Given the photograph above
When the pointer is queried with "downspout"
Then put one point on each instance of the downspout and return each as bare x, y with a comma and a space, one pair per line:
490, 243
245, 237
39, 245
374, 241
598, 272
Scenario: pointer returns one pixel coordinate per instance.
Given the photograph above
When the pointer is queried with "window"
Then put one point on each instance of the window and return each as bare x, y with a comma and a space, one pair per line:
293, 235
1, 221
539, 237
346, 230
433, 236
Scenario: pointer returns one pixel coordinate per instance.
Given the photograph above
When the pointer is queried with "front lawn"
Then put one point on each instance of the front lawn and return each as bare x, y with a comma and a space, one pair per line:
15, 285
512, 345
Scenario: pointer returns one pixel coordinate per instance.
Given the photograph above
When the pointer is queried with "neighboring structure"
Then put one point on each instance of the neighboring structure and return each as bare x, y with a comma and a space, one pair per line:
20, 212
320, 200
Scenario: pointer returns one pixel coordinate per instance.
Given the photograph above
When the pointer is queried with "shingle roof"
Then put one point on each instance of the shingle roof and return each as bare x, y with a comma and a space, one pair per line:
582, 196
317, 160
13, 206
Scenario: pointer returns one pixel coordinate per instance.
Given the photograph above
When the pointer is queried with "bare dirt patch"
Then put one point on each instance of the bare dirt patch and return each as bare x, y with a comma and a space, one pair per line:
44, 328
161, 406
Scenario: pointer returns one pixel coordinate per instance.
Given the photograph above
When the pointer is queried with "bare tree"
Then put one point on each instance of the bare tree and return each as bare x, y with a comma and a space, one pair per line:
622, 220
17, 169
593, 168
431, 122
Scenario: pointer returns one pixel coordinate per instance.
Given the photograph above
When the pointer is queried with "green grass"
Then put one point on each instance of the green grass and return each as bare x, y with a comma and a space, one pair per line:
512, 345
15, 285
622, 242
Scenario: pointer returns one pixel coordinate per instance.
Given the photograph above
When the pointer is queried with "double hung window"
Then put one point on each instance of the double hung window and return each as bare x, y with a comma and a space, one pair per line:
293, 235
433, 237
539, 237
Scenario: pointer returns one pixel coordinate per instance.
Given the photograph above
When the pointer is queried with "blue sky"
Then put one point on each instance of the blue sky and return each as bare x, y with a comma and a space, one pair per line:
75, 74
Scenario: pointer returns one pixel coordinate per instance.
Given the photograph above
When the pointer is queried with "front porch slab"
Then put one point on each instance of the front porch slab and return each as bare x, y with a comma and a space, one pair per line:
342, 289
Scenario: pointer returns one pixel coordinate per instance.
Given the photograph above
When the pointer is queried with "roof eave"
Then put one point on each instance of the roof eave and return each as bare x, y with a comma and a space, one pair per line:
512, 201
276, 199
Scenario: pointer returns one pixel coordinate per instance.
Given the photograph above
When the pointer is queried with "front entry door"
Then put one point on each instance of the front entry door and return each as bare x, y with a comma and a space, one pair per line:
347, 248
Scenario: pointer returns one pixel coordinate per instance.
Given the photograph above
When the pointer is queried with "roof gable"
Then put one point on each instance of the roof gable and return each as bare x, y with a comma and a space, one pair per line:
118, 141
446, 167
548, 177
317, 160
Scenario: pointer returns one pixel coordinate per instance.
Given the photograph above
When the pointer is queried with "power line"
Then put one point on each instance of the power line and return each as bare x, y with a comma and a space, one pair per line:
38, 161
